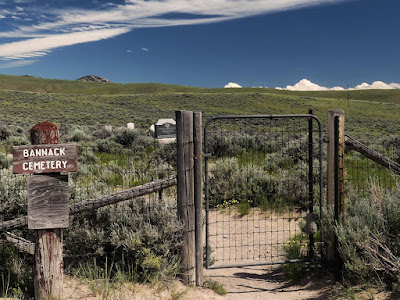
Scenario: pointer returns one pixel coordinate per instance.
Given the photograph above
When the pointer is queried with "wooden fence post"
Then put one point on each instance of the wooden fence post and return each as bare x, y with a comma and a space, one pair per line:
331, 190
198, 199
185, 192
48, 270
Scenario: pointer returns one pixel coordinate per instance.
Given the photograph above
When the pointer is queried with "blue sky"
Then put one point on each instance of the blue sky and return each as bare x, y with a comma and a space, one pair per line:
293, 44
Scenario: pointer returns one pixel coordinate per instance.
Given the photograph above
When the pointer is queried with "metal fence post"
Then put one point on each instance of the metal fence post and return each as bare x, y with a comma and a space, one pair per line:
310, 180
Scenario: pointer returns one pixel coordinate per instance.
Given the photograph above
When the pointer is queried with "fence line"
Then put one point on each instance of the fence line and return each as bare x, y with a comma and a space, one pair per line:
114, 198
372, 154
366, 161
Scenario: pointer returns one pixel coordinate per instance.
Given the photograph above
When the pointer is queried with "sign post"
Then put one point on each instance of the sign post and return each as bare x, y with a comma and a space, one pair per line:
48, 207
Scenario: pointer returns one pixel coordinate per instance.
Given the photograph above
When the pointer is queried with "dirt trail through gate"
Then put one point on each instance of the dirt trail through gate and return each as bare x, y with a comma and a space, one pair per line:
262, 283
255, 237
258, 237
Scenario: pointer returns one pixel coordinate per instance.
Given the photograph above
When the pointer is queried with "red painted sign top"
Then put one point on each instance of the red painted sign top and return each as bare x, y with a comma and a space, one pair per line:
45, 133
46, 158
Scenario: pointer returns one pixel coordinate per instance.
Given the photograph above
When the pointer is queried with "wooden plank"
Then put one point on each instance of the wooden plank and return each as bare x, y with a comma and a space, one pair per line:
198, 198
49, 158
48, 198
20, 243
129, 194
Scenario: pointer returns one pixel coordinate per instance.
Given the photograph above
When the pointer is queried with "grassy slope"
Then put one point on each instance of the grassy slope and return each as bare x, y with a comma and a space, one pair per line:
26, 101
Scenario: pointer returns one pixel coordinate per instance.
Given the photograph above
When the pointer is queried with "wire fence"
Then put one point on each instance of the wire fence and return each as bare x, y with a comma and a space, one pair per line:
262, 181
361, 172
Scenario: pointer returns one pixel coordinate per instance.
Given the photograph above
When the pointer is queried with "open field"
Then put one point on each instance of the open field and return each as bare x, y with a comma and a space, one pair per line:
24, 101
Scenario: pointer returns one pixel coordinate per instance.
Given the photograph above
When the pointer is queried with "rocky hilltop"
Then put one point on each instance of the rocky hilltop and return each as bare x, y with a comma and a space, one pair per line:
93, 78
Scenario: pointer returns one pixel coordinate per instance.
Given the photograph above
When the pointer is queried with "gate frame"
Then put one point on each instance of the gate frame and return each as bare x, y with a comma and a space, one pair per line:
207, 155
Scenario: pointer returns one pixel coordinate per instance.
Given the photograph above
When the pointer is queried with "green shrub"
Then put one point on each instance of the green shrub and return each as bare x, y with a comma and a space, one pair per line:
126, 137
253, 184
15, 274
79, 134
13, 201
108, 146
295, 248
5, 132
16, 141
138, 235
369, 240
5, 161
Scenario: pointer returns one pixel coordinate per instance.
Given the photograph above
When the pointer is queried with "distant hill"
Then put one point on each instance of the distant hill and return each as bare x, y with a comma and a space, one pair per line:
42, 85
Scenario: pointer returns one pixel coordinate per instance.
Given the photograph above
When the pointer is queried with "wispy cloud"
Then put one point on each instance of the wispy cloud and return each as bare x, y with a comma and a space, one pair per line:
17, 63
307, 85
41, 46
70, 26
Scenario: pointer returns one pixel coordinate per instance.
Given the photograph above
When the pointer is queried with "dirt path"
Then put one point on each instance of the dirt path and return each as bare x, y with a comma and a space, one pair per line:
268, 283
241, 283
257, 236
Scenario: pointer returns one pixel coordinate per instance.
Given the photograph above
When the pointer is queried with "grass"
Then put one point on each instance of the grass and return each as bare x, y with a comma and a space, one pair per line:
295, 248
99, 278
360, 171
215, 286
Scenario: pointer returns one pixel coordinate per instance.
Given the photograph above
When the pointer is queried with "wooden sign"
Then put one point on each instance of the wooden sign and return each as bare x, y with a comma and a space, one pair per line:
48, 198
46, 158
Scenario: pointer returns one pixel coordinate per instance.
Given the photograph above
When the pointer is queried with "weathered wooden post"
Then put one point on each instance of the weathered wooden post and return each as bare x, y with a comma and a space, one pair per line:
48, 203
335, 173
198, 199
185, 192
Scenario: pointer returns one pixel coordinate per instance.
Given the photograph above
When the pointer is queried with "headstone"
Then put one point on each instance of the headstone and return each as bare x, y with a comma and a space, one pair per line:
108, 128
165, 129
130, 126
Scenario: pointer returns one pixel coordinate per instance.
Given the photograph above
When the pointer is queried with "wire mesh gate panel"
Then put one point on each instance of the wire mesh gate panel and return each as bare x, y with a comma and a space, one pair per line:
263, 189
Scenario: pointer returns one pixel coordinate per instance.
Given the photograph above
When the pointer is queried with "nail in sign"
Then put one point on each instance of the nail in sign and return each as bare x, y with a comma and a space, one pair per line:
46, 158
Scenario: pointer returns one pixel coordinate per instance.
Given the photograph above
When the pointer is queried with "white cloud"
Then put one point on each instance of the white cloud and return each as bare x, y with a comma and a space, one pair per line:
41, 46
232, 85
17, 63
65, 24
145, 49
377, 85
307, 85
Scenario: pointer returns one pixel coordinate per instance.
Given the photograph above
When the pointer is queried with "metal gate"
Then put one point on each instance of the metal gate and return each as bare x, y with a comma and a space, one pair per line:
263, 189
